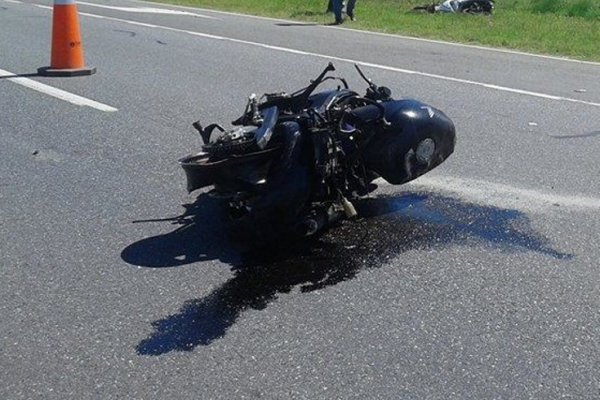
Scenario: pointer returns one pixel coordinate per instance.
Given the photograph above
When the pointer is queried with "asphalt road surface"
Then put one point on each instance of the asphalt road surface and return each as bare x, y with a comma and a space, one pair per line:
480, 280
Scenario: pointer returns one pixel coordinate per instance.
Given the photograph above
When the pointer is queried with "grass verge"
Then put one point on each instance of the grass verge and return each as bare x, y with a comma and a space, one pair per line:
568, 28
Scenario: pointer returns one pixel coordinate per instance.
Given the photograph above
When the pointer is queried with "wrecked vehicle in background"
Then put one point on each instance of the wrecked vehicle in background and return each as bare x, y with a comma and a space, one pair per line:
460, 6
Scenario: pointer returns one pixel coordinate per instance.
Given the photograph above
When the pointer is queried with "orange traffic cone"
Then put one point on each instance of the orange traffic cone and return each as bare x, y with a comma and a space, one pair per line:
67, 50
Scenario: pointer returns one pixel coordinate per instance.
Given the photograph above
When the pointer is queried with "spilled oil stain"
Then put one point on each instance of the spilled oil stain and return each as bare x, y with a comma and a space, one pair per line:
389, 227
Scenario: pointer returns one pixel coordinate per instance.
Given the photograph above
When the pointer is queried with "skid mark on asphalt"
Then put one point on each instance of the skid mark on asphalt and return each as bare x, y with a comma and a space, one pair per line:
389, 227
129, 33
579, 136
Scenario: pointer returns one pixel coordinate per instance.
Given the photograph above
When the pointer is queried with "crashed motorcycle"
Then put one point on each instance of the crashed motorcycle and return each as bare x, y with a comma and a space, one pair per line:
294, 163
459, 6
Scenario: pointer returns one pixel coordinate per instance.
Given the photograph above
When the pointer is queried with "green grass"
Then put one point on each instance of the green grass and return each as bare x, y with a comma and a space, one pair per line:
588, 9
556, 27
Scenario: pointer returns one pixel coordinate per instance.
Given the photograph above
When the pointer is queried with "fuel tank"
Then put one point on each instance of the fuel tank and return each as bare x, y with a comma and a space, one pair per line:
418, 138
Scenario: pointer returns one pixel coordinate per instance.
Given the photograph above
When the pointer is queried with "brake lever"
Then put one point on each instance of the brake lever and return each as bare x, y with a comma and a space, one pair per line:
373, 87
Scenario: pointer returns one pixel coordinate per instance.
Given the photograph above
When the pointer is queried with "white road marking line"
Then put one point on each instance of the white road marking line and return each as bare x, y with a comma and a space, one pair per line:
392, 35
417, 39
501, 195
54, 92
479, 191
147, 10
352, 61
367, 64
342, 59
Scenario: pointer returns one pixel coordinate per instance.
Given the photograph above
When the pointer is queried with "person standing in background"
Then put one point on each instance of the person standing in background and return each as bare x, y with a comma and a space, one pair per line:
337, 10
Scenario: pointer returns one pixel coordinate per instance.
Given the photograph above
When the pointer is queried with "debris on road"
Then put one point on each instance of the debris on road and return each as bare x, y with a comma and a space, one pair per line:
459, 6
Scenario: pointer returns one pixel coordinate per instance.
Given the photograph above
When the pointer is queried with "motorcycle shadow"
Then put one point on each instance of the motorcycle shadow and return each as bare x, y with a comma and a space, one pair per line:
389, 227
200, 236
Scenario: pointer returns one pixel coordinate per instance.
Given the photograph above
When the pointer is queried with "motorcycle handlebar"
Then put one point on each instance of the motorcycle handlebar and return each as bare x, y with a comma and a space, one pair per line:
299, 99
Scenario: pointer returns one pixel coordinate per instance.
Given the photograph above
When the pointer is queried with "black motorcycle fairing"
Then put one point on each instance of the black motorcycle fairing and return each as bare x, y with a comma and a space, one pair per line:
288, 184
416, 140
361, 116
201, 171
287, 192
248, 167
